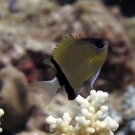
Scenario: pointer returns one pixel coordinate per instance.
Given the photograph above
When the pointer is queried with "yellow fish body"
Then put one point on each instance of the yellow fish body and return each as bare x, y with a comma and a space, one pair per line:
75, 61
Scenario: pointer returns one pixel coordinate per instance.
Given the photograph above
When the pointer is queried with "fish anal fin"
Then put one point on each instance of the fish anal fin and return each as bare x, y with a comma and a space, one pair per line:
93, 78
62, 46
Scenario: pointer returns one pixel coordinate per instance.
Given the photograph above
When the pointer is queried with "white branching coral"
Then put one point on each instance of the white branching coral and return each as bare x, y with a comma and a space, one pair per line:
88, 122
1, 113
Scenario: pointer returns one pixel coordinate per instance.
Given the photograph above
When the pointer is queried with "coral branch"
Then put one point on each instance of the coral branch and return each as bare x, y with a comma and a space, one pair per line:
88, 121
1, 113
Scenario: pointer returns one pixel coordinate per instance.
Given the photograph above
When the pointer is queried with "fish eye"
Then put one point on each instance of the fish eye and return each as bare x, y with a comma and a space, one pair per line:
100, 44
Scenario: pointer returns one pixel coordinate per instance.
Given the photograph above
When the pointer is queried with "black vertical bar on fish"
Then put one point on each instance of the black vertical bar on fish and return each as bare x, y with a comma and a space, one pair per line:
63, 81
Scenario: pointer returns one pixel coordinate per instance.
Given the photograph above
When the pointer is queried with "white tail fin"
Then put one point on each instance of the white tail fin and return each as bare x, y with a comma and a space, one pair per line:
46, 90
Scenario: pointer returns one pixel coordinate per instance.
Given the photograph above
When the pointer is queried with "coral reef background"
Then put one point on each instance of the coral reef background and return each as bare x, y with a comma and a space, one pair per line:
30, 29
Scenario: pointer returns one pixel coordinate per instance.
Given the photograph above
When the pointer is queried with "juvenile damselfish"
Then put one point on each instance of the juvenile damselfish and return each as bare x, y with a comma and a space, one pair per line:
75, 61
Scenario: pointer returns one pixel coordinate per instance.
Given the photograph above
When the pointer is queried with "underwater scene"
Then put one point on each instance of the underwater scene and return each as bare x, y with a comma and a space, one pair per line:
67, 67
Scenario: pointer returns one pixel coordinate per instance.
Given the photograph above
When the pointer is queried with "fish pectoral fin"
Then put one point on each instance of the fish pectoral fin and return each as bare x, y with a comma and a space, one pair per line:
93, 78
44, 90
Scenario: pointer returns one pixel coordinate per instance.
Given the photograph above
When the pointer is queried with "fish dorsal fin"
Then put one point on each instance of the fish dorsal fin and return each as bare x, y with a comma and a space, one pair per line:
62, 46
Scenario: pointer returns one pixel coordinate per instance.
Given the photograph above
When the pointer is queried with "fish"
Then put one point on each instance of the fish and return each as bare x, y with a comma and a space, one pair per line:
75, 61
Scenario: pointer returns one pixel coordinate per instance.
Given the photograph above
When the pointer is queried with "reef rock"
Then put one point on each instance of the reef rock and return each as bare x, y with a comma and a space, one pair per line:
13, 99
100, 22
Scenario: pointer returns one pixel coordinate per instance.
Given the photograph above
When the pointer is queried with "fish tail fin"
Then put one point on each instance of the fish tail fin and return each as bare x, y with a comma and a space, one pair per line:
45, 90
